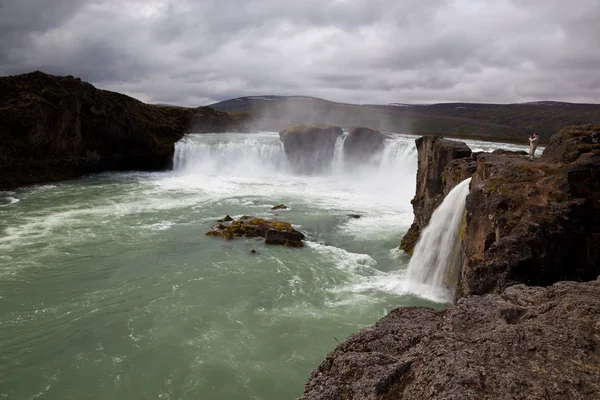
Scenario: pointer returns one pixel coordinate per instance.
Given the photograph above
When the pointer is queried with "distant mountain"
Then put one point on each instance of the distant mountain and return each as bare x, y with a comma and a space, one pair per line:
504, 122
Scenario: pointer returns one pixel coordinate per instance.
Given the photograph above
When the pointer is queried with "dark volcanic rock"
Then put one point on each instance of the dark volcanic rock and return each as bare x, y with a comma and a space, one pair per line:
310, 148
527, 343
532, 222
362, 144
568, 144
53, 128
284, 237
434, 154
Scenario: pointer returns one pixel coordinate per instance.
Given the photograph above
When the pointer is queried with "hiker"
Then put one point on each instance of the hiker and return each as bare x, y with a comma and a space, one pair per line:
533, 142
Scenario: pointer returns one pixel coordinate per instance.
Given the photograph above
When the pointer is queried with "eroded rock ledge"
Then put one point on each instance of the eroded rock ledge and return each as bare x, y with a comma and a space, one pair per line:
534, 223
54, 127
526, 343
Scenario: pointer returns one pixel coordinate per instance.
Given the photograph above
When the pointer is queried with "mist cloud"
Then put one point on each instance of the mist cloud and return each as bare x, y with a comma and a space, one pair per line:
365, 51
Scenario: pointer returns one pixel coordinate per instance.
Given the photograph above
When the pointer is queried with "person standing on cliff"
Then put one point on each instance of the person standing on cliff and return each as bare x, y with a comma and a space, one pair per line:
533, 142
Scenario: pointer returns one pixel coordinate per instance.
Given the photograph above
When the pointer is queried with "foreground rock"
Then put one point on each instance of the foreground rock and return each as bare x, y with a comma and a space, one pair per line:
274, 232
362, 144
527, 343
310, 148
434, 154
54, 127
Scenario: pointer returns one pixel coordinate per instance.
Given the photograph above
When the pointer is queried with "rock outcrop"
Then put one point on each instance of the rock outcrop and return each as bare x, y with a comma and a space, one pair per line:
534, 222
526, 343
434, 154
53, 128
310, 148
274, 231
362, 144
522, 328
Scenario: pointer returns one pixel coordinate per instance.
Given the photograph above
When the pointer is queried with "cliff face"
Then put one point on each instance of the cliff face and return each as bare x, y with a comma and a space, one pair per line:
310, 148
434, 154
54, 128
362, 144
526, 343
534, 222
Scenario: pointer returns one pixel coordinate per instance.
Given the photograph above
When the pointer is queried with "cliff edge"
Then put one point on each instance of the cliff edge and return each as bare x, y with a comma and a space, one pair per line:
526, 343
525, 325
54, 127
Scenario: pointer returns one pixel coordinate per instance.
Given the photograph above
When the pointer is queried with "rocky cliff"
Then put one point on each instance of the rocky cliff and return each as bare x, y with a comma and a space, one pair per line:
534, 222
434, 154
362, 144
515, 331
526, 343
54, 127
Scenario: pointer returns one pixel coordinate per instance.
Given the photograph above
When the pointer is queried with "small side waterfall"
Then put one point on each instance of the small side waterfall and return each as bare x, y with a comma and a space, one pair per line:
436, 250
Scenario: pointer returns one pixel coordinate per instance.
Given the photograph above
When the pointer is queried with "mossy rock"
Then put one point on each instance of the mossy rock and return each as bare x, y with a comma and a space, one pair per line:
274, 231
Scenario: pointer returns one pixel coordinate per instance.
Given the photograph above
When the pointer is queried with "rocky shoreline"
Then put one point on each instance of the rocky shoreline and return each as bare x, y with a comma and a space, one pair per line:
525, 325
54, 128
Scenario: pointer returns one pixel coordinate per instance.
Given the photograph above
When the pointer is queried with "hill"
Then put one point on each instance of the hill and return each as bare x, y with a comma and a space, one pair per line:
501, 122
57, 127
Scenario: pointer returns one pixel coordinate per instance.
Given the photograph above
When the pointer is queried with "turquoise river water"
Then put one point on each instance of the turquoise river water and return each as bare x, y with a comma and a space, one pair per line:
109, 288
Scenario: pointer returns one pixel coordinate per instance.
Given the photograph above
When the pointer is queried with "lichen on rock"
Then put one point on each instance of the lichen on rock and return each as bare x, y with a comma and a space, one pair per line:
273, 231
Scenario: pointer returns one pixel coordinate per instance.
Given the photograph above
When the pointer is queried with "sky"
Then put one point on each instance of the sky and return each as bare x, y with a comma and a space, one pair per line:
196, 52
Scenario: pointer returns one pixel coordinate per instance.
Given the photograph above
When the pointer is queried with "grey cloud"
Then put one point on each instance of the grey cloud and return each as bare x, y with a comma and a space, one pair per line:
193, 52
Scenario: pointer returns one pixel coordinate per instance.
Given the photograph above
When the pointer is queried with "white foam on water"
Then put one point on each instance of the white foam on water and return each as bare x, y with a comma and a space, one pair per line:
393, 283
161, 226
8, 201
377, 226
244, 165
347, 261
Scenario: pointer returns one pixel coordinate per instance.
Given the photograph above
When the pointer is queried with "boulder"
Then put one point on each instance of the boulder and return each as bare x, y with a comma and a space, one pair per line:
434, 154
526, 343
310, 148
362, 144
274, 231
290, 238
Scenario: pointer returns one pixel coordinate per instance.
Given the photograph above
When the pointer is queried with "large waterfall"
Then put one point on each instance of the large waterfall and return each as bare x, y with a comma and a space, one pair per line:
437, 249
262, 155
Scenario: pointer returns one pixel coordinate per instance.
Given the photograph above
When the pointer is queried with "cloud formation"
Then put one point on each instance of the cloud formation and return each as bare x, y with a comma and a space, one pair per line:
194, 52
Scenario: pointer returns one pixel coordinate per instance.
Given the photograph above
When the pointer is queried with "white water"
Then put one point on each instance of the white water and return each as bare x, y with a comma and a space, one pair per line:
436, 249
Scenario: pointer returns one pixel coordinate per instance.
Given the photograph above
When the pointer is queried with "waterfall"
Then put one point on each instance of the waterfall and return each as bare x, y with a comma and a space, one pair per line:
437, 249
337, 165
262, 154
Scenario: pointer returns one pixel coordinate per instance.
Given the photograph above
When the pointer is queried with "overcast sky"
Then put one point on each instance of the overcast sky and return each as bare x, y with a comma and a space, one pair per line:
195, 52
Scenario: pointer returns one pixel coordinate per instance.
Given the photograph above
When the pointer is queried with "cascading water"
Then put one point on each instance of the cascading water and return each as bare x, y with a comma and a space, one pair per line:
263, 155
230, 154
436, 250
